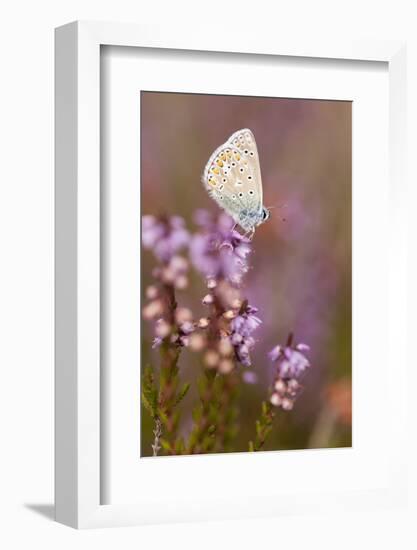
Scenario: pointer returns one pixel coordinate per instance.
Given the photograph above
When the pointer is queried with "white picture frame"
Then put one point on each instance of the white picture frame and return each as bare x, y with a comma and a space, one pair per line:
78, 427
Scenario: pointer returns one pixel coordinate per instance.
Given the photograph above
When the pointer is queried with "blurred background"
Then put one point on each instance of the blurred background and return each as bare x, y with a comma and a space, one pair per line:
300, 276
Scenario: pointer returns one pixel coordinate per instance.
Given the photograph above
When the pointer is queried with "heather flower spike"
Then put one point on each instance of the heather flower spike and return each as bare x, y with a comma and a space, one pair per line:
164, 236
290, 364
218, 251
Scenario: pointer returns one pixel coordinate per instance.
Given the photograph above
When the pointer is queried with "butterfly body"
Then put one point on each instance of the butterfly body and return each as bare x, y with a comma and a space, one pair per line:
232, 178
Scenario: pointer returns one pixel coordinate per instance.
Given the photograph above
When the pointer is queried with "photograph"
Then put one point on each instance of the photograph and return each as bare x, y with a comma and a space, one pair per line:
208, 269
246, 273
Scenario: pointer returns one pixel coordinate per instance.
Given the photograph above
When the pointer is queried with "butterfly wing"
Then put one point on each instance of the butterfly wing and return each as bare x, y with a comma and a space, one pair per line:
233, 179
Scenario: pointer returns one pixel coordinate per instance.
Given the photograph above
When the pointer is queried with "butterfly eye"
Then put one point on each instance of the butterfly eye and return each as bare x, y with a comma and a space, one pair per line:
241, 169
240, 194
234, 197
221, 187
233, 163
251, 153
251, 192
246, 151
224, 180
249, 177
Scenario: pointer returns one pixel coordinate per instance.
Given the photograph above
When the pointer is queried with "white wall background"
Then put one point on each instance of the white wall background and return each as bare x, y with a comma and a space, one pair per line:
26, 268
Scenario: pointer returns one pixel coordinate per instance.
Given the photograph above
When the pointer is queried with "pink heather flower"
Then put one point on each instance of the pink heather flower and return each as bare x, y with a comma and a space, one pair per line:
246, 322
250, 377
242, 327
218, 251
164, 236
187, 327
156, 342
291, 363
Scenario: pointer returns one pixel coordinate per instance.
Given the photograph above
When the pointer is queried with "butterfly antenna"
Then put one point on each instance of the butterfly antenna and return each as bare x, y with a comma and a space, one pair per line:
283, 205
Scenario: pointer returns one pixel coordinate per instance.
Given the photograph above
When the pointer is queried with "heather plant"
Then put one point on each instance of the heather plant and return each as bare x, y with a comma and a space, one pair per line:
220, 337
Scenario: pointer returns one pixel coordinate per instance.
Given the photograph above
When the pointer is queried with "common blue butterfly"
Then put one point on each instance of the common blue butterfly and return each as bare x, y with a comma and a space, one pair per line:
232, 178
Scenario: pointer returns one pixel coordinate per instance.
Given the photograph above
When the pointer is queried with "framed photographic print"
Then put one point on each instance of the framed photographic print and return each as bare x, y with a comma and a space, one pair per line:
227, 271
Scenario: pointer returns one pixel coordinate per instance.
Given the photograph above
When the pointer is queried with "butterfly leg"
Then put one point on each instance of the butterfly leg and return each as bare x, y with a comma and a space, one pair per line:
249, 234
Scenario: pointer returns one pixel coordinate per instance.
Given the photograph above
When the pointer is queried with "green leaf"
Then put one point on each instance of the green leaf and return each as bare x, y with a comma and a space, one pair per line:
148, 405
163, 417
149, 392
182, 393
197, 414
165, 444
179, 446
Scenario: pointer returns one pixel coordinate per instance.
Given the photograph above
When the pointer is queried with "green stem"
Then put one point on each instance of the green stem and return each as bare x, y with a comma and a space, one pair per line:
202, 437
228, 412
263, 427
168, 386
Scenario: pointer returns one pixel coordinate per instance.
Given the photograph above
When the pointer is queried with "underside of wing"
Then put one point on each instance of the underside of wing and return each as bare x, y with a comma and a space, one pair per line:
232, 176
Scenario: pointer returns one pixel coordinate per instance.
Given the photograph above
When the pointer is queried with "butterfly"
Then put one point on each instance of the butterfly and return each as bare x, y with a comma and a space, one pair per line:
232, 177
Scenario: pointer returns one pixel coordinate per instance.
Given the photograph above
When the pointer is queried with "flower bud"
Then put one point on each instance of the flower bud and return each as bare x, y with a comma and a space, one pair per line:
151, 292
168, 275
181, 282
162, 328
243, 350
185, 341
211, 358
293, 384
249, 341
226, 366
203, 322
197, 341
229, 314
250, 377
178, 264
187, 327
182, 315
280, 386
236, 303
153, 309
236, 338
225, 347
275, 400
287, 404
208, 299
302, 347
